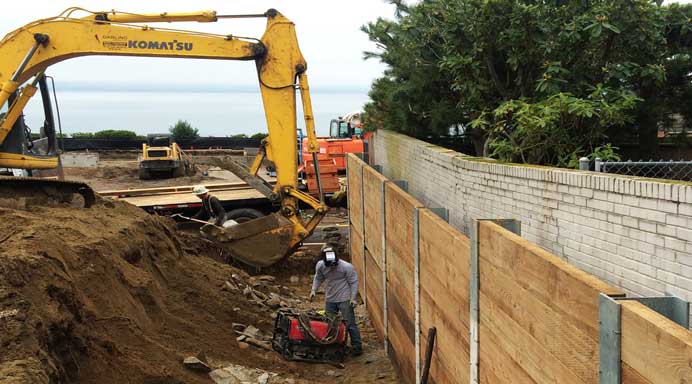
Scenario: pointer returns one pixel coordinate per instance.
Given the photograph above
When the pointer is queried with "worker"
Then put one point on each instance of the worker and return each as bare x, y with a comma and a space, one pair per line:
211, 210
341, 289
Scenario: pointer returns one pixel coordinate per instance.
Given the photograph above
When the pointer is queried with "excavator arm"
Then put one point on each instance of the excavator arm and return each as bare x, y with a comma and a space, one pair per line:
28, 51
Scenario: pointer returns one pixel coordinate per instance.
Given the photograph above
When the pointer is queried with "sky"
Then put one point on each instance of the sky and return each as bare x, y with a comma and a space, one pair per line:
328, 34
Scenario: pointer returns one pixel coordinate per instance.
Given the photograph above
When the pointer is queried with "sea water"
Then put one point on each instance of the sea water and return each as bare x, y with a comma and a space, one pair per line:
219, 113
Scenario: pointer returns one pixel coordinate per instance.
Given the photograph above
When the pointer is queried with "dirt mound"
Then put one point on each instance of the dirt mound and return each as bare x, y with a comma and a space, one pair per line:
111, 295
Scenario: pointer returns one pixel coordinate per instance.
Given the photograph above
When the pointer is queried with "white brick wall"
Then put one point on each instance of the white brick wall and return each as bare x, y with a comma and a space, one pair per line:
631, 232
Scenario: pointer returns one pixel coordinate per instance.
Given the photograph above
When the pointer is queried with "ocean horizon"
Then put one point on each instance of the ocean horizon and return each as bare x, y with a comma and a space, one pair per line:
218, 110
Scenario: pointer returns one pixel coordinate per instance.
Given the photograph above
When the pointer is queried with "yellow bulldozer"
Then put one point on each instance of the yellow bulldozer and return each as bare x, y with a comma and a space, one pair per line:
163, 157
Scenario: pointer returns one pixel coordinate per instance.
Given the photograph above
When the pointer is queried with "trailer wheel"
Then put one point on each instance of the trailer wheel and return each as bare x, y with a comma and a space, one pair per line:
242, 215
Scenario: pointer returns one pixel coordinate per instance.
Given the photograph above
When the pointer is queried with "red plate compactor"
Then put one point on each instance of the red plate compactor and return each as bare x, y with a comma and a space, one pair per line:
310, 336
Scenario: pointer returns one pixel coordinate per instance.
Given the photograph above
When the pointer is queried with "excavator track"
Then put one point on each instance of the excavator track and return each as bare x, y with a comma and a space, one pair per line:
57, 190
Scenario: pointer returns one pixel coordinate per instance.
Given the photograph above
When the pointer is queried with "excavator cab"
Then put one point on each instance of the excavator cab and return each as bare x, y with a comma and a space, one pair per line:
35, 156
40, 146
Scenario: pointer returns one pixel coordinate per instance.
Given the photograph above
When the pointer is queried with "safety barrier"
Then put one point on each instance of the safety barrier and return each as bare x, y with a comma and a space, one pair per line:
505, 310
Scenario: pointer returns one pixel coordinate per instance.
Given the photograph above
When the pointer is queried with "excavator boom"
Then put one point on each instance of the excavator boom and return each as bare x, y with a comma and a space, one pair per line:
28, 51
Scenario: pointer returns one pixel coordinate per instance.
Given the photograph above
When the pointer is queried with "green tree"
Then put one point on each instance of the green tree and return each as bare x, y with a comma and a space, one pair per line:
183, 130
239, 136
535, 81
115, 134
259, 135
83, 135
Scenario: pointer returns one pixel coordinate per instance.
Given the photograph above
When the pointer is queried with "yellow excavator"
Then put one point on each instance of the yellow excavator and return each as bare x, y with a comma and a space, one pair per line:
27, 52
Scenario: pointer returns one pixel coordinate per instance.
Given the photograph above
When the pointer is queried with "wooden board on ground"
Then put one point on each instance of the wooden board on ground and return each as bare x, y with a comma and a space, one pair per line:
444, 297
543, 311
375, 293
657, 349
372, 193
189, 198
355, 210
357, 257
399, 207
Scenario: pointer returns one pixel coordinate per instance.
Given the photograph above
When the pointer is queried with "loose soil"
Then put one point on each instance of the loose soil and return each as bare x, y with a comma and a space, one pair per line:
111, 294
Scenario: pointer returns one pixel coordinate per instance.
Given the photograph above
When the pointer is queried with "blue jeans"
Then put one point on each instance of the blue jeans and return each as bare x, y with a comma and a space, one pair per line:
347, 312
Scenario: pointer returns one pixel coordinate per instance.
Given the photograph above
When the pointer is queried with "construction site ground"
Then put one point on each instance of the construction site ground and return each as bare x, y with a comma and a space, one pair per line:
111, 294
116, 171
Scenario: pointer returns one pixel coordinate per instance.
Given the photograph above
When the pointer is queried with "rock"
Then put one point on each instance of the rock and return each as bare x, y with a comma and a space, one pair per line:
223, 376
263, 379
294, 279
381, 376
196, 364
273, 303
298, 254
236, 309
243, 345
266, 278
284, 290
238, 327
253, 332
241, 338
290, 381
230, 287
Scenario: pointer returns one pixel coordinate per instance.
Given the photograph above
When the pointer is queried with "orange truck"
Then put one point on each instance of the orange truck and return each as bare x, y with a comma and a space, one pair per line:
346, 135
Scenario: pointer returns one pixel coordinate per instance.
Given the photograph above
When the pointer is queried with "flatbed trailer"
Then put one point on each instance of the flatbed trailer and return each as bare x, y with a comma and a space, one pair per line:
171, 200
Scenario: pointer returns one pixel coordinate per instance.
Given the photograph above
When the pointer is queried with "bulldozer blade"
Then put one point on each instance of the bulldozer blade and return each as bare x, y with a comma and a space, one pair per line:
260, 242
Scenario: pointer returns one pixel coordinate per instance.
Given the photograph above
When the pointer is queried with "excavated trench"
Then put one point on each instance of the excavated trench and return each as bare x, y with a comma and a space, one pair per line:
111, 294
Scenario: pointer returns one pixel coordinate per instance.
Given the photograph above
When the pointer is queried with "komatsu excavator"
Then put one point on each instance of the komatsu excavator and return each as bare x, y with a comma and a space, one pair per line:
27, 52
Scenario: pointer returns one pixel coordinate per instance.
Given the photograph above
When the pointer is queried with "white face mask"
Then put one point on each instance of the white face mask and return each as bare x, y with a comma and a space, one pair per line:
330, 258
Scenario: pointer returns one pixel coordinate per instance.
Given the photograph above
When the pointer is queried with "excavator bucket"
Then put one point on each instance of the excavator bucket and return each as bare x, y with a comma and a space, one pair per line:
260, 242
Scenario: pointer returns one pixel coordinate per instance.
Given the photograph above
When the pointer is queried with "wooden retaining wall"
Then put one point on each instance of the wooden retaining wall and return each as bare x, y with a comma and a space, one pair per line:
537, 317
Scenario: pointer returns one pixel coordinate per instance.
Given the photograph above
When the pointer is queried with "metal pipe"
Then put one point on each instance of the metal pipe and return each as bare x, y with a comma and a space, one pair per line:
57, 110
318, 177
25, 61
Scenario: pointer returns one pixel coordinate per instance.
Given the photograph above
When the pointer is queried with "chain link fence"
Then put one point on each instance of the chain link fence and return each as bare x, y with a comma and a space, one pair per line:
671, 170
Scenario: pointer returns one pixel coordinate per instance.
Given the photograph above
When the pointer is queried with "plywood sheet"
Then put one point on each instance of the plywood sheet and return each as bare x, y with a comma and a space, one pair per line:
375, 294
355, 209
656, 348
372, 193
357, 257
444, 297
564, 288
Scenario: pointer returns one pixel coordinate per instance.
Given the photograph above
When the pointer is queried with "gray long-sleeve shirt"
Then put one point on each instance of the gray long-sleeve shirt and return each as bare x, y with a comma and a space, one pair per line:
341, 281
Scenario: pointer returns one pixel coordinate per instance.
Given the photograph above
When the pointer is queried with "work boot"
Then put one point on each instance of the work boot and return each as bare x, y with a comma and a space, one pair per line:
356, 351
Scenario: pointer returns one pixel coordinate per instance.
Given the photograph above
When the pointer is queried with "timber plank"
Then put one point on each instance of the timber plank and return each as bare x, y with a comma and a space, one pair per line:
355, 211
372, 193
374, 292
495, 365
655, 347
556, 334
561, 286
527, 352
444, 297
357, 257
399, 207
